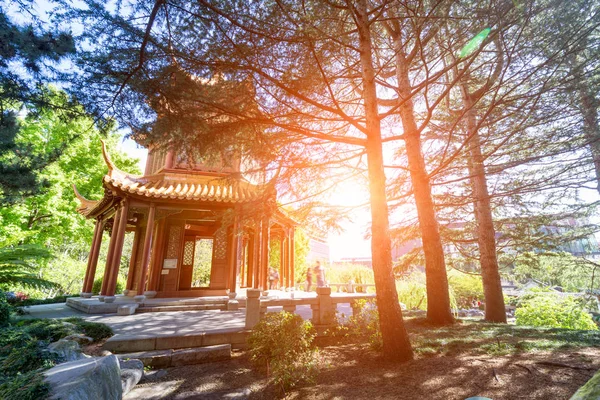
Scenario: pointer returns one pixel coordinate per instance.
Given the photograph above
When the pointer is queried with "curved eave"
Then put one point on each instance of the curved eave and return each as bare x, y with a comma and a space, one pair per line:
212, 192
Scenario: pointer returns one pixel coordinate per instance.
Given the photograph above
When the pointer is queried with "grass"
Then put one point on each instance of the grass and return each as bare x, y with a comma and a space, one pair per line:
470, 337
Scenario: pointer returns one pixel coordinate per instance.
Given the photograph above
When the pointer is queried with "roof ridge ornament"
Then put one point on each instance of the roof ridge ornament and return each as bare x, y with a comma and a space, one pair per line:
107, 160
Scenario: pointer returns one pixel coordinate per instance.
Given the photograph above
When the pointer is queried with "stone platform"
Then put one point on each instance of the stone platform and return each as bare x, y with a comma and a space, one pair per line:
94, 306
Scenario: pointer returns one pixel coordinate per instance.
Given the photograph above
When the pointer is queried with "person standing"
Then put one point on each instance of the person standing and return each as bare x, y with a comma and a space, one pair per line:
320, 271
271, 278
309, 275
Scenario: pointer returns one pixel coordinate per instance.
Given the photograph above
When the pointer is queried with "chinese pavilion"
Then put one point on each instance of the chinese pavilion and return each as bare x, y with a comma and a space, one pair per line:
172, 207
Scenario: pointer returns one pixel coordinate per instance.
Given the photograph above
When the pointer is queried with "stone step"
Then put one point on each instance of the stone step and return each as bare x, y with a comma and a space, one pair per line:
174, 358
161, 308
235, 337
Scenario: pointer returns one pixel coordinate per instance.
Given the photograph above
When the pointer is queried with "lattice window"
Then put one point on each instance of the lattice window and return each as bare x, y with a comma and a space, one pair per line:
188, 253
174, 241
220, 244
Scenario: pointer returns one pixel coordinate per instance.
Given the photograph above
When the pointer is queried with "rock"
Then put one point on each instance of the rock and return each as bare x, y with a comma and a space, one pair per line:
131, 373
589, 391
104, 353
237, 395
79, 338
67, 350
151, 376
96, 378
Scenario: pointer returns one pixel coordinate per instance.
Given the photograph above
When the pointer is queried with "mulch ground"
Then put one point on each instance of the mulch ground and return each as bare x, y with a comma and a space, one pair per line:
353, 371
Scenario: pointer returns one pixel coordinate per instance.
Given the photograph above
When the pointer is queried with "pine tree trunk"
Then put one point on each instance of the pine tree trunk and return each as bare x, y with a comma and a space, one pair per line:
396, 344
438, 296
589, 109
486, 235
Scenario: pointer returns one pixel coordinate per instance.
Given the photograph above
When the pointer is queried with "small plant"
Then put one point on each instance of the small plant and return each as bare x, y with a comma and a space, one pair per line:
283, 344
551, 311
5, 310
97, 286
94, 330
365, 323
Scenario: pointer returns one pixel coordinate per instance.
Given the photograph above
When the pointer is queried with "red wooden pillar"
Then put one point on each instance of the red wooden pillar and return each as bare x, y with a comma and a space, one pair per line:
146, 252
257, 256
111, 248
157, 256
233, 255
133, 259
251, 262
291, 257
266, 237
282, 271
90, 273
118, 250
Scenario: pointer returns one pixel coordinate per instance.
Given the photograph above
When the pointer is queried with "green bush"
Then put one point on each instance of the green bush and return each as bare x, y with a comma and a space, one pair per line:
465, 287
365, 323
51, 300
412, 291
97, 286
283, 344
5, 310
552, 311
25, 386
94, 330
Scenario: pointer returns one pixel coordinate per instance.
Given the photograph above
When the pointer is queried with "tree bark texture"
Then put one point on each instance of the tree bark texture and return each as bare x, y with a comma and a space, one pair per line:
486, 235
589, 110
438, 296
396, 344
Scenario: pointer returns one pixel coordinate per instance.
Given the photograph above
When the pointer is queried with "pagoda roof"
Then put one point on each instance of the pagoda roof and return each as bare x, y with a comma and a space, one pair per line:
171, 185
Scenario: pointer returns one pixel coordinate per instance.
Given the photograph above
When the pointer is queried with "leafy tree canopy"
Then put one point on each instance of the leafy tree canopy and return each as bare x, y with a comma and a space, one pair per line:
28, 55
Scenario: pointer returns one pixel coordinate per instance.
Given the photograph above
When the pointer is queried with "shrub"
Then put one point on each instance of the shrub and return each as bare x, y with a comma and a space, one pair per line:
550, 310
466, 288
283, 343
412, 291
5, 309
25, 386
94, 330
347, 273
97, 286
365, 323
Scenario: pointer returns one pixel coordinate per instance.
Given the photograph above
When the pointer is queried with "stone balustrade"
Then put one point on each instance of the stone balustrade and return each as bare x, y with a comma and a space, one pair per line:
343, 287
323, 306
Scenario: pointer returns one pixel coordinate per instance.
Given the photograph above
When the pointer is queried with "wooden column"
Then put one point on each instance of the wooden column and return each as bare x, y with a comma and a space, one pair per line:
157, 255
282, 272
233, 257
116, 261
257, 256
90, 272
292, 257
133, 259
264, 267
146, 252
250, 266
111, 248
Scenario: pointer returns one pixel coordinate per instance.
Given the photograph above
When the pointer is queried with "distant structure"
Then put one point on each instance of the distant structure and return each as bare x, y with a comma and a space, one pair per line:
318, 250
173, 206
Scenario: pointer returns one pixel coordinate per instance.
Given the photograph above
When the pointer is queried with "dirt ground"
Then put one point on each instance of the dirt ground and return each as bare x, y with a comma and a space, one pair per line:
352, 371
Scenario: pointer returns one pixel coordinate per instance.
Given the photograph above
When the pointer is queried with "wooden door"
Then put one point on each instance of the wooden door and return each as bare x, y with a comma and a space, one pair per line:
187, 263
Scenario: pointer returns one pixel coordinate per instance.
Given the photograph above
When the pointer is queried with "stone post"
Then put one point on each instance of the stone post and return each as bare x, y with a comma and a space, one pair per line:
326, 306
252, 307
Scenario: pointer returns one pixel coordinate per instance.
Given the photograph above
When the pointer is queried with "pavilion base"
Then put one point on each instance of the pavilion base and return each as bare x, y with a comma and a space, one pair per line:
163, 304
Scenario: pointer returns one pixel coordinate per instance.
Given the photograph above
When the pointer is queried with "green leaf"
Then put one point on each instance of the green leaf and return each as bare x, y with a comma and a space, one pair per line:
474, 43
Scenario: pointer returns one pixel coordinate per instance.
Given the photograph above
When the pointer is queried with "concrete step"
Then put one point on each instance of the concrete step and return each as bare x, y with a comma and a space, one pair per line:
235, 337
174, 358
162, 308
181, 301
